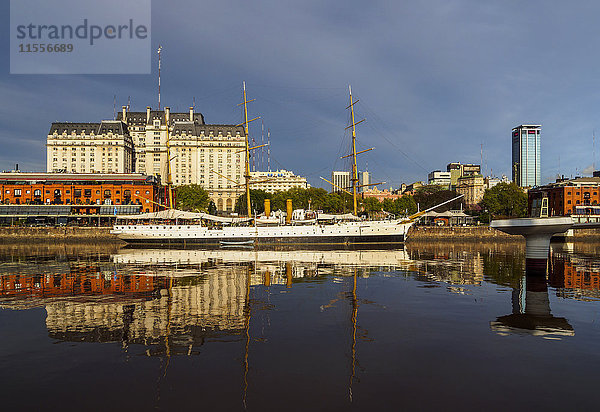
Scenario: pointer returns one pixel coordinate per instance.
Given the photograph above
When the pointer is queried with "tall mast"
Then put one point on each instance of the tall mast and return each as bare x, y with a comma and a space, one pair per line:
354, 168
169, 177
159, 50
247, 152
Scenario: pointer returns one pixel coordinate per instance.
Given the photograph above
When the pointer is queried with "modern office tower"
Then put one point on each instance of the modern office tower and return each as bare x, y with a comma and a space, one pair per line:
363, 181
340, 180
526, 171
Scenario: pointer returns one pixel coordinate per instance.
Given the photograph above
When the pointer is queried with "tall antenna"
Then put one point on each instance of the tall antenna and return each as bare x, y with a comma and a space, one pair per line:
481, 157
594, 150
159, 50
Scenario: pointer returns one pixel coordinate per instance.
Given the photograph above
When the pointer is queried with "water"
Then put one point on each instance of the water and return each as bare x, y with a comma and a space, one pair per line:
425, 327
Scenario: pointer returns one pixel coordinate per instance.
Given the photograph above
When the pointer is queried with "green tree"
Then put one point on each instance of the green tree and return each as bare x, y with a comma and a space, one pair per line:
506, 200
191, 198
257, 201
430, 195
405, 205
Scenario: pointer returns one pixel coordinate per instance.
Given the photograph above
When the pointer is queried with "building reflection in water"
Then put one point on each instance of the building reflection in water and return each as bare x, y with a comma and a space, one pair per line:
171, 301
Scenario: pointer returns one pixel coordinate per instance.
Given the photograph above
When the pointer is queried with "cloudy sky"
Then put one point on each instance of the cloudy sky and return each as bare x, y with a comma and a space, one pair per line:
436, 81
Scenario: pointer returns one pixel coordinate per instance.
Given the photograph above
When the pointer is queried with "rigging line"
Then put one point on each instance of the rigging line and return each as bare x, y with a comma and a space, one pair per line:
271, 86
378, 119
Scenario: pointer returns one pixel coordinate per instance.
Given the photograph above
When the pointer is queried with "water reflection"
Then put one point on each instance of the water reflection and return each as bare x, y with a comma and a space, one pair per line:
301, 307
531, 311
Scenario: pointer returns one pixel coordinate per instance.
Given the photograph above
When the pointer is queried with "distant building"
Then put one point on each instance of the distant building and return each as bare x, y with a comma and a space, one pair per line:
490, 181
457, 170
340, 180
437, 177
526, 170
472, 188
380, 195
412, 188
280, 180
363, 181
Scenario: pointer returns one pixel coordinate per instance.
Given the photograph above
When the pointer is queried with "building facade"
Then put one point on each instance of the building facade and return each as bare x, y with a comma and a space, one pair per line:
104, 147
526, 166
437, 177
209, 155
566, 196
364, 180
280, 180
340, 180
472, 187
458, 170
80, 189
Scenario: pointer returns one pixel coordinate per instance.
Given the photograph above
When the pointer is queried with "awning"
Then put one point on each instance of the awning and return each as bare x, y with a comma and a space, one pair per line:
172, 214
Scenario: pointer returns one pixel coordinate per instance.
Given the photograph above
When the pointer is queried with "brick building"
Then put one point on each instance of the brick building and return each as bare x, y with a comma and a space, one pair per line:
566, 194
85, 193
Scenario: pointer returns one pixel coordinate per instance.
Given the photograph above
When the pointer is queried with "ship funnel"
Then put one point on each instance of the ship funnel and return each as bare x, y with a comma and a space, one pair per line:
288, 217
267, 207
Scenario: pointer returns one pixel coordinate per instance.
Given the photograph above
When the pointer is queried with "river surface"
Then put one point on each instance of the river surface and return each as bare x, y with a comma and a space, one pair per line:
428, 326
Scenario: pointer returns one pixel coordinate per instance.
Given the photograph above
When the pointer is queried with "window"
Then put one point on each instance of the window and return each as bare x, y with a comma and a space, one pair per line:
77, 192
87, 192
17, 192
107, 193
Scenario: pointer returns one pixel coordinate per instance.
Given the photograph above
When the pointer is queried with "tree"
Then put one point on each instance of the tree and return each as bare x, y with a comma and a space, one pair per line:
505, 199
191, 198
430, 195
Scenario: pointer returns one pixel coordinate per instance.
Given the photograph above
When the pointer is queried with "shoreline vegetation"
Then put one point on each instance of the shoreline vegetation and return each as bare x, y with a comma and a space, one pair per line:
95, 235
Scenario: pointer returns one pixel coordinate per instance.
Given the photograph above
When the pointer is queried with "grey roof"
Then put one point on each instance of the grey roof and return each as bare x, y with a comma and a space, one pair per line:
139, 118
105, 126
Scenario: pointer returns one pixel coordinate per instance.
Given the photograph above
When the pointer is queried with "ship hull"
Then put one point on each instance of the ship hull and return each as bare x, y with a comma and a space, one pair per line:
350, 233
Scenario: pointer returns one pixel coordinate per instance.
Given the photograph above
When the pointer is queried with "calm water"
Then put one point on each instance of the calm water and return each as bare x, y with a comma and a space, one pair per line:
424, 327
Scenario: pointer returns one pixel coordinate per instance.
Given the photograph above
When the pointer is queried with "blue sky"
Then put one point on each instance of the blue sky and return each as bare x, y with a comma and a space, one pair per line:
435, 79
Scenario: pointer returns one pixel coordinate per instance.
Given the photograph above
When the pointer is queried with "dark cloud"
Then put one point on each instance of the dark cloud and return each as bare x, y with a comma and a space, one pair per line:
435, 79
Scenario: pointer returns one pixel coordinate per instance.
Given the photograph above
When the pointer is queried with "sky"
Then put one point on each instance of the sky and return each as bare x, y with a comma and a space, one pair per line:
437, 82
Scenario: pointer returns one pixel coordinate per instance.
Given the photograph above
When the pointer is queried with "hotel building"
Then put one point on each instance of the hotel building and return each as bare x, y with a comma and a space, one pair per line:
200, 153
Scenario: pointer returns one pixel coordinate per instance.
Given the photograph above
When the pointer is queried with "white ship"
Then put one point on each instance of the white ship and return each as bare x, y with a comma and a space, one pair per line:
296, 227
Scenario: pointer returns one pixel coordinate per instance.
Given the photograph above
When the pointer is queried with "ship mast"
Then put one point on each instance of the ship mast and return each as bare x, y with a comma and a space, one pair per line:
169, 176
354, 178
247, 155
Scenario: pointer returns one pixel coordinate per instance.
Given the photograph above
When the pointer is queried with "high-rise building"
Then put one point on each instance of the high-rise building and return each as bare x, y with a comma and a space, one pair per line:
340, 180
526, 171
363, 181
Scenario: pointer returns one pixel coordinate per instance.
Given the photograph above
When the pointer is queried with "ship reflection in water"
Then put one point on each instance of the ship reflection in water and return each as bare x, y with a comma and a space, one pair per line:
380, 319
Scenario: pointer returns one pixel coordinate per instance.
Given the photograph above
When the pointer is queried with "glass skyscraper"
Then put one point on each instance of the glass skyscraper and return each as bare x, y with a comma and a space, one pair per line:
526, 171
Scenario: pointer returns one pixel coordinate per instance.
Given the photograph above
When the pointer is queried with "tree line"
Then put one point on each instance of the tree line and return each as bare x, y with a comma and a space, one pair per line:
503, 200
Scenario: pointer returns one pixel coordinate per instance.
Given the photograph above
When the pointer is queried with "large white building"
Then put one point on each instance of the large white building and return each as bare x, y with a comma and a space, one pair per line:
104, 147
340, 180
209, 155
280, 180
